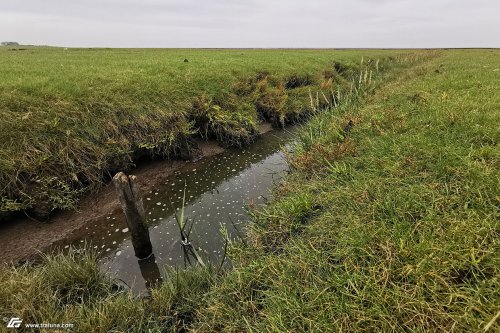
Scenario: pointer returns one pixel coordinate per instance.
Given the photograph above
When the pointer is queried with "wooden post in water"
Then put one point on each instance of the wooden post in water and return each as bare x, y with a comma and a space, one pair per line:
130, 198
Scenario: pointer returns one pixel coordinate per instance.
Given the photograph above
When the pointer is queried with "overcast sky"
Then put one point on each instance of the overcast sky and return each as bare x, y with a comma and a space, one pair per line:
252, 23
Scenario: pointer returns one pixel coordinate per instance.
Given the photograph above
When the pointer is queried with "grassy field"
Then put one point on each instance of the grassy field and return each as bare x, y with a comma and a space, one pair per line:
394, 228
70, 118
388, 222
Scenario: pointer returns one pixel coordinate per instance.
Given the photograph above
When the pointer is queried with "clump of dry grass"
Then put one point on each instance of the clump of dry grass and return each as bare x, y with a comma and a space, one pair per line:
286, 101
229, 121
270, 102
299, 80
71, 288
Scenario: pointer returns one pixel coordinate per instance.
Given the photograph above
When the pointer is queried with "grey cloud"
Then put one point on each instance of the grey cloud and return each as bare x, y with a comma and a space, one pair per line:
252, 23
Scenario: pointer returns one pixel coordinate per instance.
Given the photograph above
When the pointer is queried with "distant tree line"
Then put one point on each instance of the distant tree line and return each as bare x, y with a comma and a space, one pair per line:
10, 44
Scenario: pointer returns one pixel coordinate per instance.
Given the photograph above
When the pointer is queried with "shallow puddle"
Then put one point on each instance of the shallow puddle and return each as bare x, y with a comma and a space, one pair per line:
219, 190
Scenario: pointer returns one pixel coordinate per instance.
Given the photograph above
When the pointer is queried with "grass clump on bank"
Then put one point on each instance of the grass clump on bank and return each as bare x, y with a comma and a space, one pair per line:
71, 118
71, 288
231, 122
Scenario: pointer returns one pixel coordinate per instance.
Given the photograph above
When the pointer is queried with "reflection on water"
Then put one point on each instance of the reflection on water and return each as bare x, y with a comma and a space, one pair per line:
218, 190
150, 271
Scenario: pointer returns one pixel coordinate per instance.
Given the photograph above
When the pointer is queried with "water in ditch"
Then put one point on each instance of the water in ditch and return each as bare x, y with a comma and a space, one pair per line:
218, 190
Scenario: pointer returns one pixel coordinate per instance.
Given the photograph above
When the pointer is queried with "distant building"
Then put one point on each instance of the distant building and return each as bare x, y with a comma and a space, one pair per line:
10, 44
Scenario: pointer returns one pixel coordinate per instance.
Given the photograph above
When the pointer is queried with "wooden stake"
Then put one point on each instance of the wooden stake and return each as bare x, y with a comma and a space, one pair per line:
131, 201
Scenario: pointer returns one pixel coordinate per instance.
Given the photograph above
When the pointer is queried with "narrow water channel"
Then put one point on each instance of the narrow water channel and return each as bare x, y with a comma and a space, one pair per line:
218, 192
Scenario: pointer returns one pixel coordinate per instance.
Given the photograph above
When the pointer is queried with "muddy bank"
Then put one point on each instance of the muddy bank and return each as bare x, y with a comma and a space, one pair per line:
23, 238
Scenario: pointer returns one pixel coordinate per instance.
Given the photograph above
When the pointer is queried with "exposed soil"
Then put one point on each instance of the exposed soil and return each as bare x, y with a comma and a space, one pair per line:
23, 238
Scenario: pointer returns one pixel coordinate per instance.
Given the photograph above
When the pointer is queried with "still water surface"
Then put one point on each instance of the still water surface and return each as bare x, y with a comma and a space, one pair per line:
218, 192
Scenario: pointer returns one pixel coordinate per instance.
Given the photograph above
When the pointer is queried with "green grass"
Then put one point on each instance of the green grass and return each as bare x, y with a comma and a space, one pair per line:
71, 289
394, 228
388, 223
71, 118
